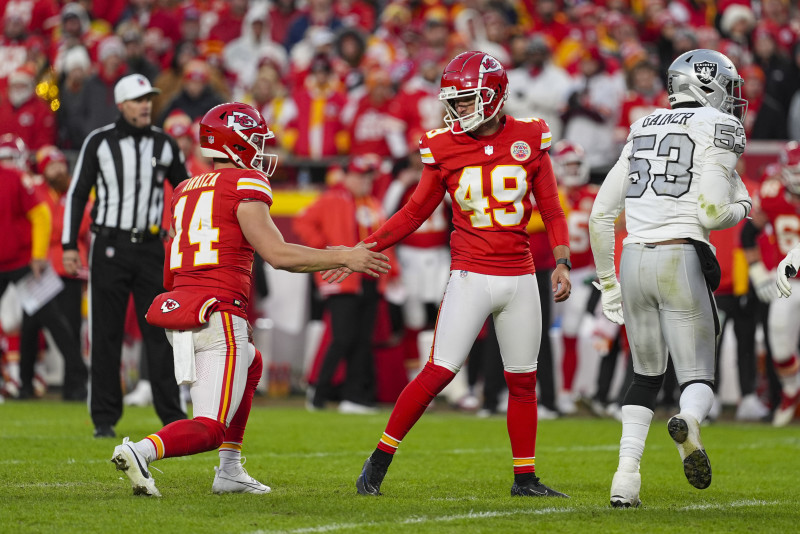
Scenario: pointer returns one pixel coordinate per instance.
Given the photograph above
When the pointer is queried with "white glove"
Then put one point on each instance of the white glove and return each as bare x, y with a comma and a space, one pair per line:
762, 281
791, 260
611, 297
740, 194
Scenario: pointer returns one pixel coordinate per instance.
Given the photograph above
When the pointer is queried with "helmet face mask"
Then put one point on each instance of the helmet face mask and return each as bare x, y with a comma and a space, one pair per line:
237, 132
708, 78
473, 75
790, 166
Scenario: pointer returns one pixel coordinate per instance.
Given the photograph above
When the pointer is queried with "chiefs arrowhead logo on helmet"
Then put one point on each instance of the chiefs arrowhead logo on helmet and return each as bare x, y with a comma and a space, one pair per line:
490, 64
241, 121
169, 305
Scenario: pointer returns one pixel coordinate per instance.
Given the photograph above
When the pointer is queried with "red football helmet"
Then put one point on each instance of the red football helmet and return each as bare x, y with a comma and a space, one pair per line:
13, 152
790, 166
473, 74
237, 132
569, 164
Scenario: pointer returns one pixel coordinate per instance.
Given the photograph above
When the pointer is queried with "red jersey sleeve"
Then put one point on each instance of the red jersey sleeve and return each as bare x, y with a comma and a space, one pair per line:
545, 191
429, 193
253, 186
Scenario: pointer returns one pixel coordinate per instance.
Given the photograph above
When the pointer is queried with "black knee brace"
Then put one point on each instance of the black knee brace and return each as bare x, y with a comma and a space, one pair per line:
644, 390
709, 383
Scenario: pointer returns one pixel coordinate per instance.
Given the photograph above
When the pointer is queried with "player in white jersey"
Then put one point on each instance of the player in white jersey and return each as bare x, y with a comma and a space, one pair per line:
676, 181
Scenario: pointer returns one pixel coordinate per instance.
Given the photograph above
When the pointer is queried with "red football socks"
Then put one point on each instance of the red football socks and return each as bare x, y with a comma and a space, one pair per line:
411, 404
570, 362
522, 419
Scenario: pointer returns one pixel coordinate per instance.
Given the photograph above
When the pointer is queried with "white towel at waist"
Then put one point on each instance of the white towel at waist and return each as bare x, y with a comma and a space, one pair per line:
183, 349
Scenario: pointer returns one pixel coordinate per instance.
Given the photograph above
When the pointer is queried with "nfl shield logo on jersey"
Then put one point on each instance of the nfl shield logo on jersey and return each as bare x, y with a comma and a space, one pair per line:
489, 149
706, 71
520, 151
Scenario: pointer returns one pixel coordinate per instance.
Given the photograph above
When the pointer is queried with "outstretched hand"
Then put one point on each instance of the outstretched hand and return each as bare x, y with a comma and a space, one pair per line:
360, 260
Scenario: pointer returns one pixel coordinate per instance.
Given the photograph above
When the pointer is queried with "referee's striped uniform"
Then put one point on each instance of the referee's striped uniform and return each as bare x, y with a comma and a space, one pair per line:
127, 166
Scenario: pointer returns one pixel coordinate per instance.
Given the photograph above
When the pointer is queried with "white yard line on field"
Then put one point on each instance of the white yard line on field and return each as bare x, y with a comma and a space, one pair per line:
333, 527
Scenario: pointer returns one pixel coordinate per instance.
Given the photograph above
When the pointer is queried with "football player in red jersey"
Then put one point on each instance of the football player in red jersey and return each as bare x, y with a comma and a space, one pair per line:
572, 173
489, 164
779, 206
219, 219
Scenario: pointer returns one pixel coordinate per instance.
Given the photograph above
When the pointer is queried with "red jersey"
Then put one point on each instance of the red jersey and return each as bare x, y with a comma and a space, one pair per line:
209, 252
490, 180
34, 122
417, 106
580, 207
18, 198
783, 211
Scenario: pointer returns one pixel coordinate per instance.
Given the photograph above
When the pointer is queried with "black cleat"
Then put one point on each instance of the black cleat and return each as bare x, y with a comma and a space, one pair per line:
104, 431
370, 479
534, 488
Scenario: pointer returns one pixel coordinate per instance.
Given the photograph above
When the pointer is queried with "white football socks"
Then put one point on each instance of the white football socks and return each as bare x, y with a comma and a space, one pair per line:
696, 400
635, 425
230, 460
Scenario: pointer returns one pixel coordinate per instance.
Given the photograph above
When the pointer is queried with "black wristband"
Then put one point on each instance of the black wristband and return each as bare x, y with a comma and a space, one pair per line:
564, 261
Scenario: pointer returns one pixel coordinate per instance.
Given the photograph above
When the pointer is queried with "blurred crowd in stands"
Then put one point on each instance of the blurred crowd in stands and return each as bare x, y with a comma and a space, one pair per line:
338, 79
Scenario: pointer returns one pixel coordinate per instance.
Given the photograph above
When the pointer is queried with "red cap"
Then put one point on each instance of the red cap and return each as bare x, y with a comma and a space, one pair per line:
46, 155
364, 163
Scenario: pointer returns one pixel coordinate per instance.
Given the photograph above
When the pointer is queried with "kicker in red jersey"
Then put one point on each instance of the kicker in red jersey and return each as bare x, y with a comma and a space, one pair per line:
491, 188
209, 251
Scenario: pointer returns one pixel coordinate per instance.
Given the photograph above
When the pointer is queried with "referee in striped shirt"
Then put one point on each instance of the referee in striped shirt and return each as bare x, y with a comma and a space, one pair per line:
127, 163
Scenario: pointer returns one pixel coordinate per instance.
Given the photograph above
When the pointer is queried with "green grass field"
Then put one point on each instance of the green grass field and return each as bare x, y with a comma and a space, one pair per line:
452, 474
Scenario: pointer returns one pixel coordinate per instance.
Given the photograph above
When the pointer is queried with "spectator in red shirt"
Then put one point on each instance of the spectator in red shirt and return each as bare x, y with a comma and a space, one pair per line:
229, 23
368, 115
40, 17
314, 126
24, 114
25, 223
344, 215
52, 185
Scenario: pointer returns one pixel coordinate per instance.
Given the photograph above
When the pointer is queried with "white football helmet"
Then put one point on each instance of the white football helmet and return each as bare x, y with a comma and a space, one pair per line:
569, 164
708, 78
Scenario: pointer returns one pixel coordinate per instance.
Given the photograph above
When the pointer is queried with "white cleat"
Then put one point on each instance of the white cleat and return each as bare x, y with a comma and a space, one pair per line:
240, 483
685, 432
351, 407
142, 395
546, 414
625, 490
128, 460
751, 409
786, 410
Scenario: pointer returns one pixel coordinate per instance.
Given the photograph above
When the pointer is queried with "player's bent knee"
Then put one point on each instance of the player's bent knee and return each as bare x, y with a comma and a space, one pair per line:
434, 378
215, 432
644, 390
521, 385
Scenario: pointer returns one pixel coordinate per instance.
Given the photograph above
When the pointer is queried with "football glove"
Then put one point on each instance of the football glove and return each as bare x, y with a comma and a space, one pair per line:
788, 269
611, 298
762, 281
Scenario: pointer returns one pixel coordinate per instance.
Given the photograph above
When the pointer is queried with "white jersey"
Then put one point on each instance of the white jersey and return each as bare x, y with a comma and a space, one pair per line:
666, 153
675, 179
